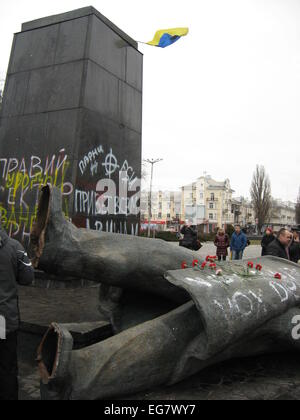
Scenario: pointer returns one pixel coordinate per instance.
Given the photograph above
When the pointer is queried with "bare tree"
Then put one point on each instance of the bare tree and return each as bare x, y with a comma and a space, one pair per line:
261, 195
298, 209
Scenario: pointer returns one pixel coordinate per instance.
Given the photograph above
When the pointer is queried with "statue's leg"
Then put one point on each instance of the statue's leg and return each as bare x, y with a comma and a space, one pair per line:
136, 359
165, 350
123, 261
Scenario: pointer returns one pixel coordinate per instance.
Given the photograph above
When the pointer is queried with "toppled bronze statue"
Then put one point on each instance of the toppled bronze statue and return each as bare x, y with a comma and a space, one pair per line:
218, 316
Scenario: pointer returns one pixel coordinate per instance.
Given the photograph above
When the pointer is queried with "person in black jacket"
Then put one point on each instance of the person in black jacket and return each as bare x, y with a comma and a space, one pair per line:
295, 248
266, 240
15, 268
280, 246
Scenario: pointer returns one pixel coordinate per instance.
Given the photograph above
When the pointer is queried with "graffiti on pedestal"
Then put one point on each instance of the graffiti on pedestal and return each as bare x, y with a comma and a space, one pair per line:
20, 183
107, 195
104, 196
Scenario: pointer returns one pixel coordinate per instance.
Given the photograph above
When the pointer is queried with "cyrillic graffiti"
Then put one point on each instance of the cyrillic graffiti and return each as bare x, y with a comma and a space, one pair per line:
98, 196
106, 198
89, 160
20, 183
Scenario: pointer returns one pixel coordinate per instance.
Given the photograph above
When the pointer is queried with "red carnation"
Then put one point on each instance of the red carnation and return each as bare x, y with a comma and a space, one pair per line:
258, 267
184, 265
203, 265
250, 264
195, 263
277, 276
212, 265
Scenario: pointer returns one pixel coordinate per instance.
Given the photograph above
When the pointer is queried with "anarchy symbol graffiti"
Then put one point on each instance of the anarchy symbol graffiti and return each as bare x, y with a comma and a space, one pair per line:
110, 164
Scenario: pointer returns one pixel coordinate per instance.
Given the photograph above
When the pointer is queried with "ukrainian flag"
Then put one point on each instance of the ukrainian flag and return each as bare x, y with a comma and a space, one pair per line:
165, 37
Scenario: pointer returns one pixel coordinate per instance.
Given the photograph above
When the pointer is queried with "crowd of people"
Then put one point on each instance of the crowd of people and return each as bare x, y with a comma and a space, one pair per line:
285, 244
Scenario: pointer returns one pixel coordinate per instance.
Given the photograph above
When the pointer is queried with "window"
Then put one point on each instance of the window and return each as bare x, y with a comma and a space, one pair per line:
211, 216
211, 205
212, 197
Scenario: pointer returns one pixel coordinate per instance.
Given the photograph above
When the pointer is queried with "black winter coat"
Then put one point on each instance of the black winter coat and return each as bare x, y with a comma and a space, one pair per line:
295, 251
276, 249
266, 241
15, 268
190, 237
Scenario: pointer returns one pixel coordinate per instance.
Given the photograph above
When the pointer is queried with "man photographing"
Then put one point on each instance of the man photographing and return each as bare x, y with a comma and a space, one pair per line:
15, 268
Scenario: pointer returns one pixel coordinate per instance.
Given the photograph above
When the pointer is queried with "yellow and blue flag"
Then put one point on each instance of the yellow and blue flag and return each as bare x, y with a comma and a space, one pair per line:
165, 37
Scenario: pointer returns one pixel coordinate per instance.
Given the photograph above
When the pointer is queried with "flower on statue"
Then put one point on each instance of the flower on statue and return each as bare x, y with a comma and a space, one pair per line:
184, 265
211, 258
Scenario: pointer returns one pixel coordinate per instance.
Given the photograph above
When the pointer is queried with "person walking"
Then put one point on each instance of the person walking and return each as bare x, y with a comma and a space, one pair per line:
15, 268
280, 246
266, 240
238, 243
222, 244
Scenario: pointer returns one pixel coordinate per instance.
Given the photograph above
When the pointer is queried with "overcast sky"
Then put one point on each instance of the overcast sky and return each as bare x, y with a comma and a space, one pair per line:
221, 100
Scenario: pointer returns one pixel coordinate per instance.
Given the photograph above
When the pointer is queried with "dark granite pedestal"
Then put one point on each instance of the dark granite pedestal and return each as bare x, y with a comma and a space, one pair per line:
72, 117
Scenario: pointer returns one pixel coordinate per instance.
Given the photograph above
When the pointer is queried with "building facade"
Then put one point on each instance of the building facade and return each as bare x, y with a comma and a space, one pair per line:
283, 214
243, 212
165, 210
207, 203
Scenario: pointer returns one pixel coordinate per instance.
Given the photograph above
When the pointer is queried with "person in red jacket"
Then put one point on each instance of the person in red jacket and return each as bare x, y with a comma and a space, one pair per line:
222, 244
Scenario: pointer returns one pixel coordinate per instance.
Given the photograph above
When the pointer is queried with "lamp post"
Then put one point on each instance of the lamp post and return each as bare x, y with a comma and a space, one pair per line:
152, 163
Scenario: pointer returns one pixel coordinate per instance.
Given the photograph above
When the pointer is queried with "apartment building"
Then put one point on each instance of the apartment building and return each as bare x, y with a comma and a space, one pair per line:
165, 209
207, 202
243, 212
283, 214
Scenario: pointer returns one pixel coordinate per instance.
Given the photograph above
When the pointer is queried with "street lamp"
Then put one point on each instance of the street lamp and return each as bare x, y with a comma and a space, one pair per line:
152, 163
